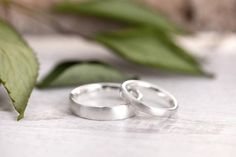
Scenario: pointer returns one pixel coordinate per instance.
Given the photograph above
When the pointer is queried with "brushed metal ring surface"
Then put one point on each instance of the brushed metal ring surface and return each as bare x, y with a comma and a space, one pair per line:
140, 106
117, 112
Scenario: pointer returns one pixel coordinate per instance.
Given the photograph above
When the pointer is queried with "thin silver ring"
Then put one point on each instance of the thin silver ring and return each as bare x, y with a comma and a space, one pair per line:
118, 112
145, 108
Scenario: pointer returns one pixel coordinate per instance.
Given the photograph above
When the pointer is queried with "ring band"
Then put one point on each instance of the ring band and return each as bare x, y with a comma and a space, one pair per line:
145, 108
117, 112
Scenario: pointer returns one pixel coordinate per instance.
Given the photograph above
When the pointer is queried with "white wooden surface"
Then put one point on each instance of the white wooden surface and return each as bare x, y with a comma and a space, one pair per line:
204, 126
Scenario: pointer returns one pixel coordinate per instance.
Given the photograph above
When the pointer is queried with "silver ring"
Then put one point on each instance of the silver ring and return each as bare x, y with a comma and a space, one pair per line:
101, 112
129, 85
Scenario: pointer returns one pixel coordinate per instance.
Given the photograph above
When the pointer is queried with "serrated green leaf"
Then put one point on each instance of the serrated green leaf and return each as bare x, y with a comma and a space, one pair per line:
125, 11
150, 48
77, 73
18, 67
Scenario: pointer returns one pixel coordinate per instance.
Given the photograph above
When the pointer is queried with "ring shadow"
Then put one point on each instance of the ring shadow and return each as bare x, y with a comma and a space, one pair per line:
150, 124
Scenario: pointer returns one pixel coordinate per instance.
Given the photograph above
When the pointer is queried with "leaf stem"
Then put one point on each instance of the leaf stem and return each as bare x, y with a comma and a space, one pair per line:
41, 16
6, 9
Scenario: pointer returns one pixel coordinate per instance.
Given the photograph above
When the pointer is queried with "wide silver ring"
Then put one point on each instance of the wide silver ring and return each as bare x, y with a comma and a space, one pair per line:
117, 112
132, 85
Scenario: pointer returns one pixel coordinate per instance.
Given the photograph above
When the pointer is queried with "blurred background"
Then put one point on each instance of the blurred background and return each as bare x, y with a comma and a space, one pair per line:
216, 15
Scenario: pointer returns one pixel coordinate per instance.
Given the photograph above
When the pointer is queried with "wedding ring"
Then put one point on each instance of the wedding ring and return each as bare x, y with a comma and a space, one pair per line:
101, 111
134, 85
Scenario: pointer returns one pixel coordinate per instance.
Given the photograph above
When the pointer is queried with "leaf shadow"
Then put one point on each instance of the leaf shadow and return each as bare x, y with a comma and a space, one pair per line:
5, 102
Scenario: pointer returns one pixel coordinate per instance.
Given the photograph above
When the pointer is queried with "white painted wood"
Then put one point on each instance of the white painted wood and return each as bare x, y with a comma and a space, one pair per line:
204, 126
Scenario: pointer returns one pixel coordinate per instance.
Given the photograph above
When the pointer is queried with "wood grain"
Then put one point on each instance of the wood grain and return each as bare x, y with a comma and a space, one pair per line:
204, 126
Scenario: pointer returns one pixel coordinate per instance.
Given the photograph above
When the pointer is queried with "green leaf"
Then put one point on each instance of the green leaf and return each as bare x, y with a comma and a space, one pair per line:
150, 48
126, 11
18, 67
77, 73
